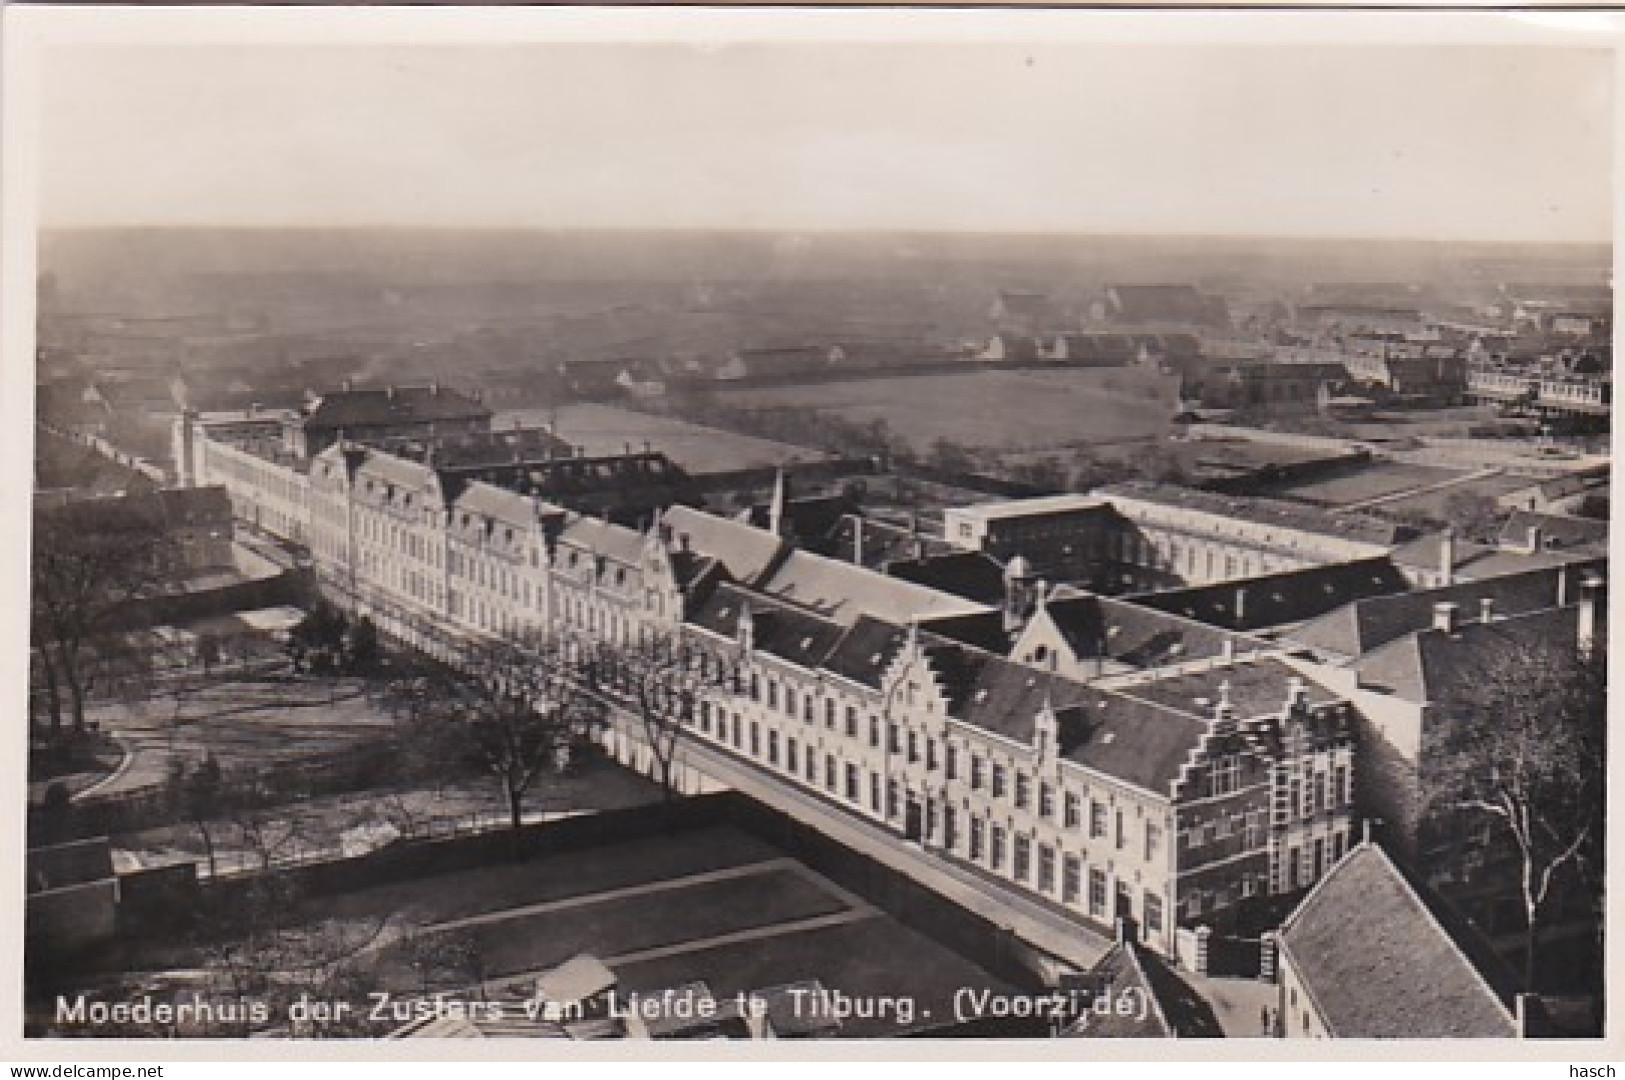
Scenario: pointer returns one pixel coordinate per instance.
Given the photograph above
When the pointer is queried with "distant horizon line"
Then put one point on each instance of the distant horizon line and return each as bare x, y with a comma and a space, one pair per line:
792, 230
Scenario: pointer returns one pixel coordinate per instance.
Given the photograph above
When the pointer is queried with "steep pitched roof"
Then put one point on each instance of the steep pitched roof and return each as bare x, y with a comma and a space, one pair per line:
1291, 596
1133, 634
747, 552
1257, 687
600, 537
1364, 625
1136, 741
1435, 666
843, 592
968, 574
1377, 963
1556, 530
1170, 1008
778, 629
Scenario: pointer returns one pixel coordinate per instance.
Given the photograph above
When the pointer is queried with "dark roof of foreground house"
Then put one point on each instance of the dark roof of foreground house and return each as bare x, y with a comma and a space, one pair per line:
1168, 1007
77, 862
1378, 963
1439, 666
1291, 596
1132, 634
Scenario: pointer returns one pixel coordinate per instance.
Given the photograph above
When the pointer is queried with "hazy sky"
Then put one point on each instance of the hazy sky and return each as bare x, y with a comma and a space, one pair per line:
1485, 142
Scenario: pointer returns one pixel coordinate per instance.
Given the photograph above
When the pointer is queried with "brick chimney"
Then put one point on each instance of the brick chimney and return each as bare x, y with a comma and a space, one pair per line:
1486, 609
1444, 617
1536, 539
1586, 636
1447, 557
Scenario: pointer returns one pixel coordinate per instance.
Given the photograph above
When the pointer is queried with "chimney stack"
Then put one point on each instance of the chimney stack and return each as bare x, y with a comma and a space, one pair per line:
1586, 637
1447, 557
1563, 585
1296, 692
1241, 606
1536, 542
857, 539
1486, 609
1227, 652
1444, 617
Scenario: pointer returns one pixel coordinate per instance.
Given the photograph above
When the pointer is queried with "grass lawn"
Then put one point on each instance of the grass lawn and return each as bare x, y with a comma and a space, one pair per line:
555, 877
1007, 410
870, 960
633, 923
1434, 502
607, 429
1372, 482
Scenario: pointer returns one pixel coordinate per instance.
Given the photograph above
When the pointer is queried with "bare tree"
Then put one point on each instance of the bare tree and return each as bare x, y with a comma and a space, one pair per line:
660, 678
1524, 750
514, 707
89, 563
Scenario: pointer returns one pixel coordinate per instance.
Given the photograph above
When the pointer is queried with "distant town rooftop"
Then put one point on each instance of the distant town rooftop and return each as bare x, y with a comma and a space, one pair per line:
1020, 508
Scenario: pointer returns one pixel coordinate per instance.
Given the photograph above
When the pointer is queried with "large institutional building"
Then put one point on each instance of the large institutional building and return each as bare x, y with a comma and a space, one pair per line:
1118, 764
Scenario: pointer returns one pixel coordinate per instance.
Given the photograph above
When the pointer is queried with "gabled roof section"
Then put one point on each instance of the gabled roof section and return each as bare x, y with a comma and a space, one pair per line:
967, 574
599, 537
1136, 635
746, 551
1435, 666
778, 629
1135, 741
1291, 596
1378, 963
1170, 1008
497, 504
1556, 531
844, 592
1360, 528
1256, 687
1365, 625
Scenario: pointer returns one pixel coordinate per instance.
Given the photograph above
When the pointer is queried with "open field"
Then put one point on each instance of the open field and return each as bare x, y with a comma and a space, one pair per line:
608, 429
1372, 482
243, 722
1434, 502
1005, 410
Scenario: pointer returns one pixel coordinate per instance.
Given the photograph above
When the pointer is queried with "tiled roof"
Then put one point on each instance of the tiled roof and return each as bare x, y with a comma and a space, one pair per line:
375, 407
389, 469
600, 537
1258, 687
865, 650
1288, 515
1378, 964
1556, 530
1357, 628
1291, 596
843, 592
1135, 635
1434, 666
746, 551
881, 542
507, 507
778, 629
1136, 741
1170, 1008
968, 574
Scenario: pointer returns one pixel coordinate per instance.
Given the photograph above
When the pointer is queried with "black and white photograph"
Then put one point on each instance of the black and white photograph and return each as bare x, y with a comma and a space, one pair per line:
842, 525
